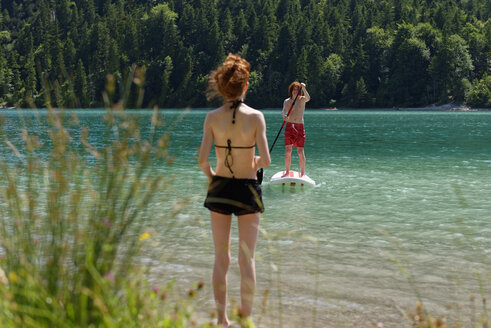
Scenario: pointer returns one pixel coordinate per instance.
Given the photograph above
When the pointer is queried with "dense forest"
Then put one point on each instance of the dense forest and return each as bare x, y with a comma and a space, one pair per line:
351, 53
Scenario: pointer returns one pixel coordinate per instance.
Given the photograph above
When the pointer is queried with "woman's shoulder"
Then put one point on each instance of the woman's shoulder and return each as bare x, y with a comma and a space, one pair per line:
215, 112
248, 110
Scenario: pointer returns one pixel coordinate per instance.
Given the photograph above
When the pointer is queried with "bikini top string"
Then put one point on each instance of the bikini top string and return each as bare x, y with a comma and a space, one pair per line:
229, 161
235, 104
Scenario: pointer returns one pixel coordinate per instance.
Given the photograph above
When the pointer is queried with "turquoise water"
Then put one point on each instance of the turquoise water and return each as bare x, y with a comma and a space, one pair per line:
392, 187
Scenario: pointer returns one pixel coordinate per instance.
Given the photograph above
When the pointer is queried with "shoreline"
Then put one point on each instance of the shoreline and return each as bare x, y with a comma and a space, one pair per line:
452, 107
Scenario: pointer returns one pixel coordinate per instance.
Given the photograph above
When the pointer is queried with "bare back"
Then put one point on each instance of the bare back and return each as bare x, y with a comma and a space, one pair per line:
248, 130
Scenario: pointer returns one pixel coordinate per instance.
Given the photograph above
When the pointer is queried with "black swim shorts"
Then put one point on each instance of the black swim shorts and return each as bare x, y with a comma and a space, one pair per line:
234, 196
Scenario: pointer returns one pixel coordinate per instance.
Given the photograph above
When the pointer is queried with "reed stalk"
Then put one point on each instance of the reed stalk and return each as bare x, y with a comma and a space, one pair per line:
71, 223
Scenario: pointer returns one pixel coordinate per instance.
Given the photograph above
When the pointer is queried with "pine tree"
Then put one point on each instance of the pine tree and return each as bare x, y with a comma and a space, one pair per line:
265, 34
227, 27
450, 68
377, 48
333, 68
409, 78
3, 77
241, 30
166, 90
80, 86
30, 80
69, 55
160, 32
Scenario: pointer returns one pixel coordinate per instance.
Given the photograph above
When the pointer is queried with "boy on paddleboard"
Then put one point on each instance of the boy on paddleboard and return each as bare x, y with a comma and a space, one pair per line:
293, 109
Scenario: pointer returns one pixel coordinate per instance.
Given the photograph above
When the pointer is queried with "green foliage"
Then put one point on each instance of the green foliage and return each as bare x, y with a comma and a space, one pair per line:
451, 68
480, 93
159, 32
446, 45
409, 75
72, 226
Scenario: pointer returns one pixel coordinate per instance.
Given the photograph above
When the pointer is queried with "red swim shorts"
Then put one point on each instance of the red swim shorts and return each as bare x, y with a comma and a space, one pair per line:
295, 134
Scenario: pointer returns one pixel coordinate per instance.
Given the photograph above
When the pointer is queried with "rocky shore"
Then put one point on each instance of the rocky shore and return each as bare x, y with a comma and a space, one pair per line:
444, 107
432, 107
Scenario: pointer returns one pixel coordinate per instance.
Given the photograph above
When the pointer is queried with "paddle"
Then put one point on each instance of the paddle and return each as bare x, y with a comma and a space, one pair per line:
260, 172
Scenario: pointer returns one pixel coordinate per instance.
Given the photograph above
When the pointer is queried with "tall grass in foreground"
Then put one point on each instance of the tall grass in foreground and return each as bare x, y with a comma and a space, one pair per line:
71, 226
421, 317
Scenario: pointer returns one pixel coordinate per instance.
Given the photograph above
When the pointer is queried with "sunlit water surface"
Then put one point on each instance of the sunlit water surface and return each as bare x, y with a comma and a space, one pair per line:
401, 212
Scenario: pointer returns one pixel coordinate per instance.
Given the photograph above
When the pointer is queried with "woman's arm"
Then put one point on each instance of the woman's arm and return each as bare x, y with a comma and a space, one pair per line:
204, 151
264, 159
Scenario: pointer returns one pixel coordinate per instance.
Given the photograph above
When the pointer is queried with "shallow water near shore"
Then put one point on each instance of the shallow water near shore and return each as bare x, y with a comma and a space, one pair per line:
401, 210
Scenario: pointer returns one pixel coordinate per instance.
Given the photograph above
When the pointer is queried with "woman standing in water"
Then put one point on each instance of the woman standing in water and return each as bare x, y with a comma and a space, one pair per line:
236, 130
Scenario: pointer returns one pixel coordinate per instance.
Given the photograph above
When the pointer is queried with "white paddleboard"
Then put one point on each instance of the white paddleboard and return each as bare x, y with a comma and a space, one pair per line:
292, 179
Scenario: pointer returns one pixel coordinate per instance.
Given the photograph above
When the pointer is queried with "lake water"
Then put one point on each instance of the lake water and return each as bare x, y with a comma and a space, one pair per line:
401, 212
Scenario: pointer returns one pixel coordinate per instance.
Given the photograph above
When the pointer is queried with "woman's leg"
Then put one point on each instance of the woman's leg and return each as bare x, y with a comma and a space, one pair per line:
220, 226
248, 231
